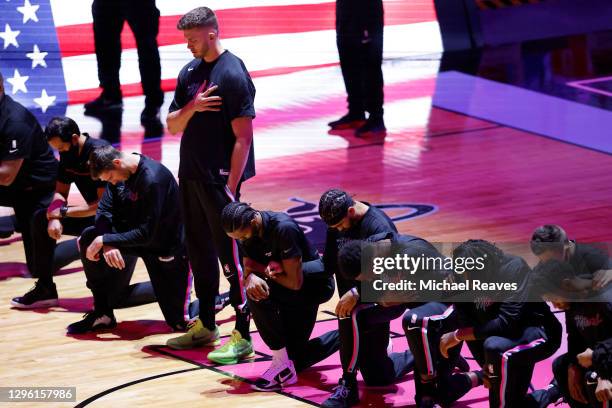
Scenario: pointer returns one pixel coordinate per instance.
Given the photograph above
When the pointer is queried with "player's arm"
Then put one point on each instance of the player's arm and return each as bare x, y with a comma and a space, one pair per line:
178, 119
252, 266
9, 170
243, 130
291, 275
256, 287
86, 210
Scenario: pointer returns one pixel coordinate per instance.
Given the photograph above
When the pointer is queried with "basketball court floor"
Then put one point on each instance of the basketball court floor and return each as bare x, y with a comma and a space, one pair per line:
487, 145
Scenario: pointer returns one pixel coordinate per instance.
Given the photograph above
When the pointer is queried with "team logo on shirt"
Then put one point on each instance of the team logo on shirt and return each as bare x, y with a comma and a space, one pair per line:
306, 214
582, 322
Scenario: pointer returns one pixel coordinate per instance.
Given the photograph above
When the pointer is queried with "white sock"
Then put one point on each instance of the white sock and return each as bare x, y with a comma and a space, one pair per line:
280, 356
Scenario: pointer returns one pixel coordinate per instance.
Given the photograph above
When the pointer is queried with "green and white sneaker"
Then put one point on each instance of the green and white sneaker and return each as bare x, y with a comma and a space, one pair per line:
197, 336
234, 350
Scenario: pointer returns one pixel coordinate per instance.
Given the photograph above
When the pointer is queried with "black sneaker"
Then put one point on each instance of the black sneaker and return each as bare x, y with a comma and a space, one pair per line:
39, 296
550, 395
103, 104
93, 321
348, 121
372, 127
149, 118
345, 395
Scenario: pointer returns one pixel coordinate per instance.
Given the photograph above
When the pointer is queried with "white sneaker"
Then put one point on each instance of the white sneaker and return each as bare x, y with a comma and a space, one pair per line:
276, 377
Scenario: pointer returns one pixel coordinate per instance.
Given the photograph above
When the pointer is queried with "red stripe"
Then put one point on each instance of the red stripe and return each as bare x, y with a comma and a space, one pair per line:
168, 85
250, 21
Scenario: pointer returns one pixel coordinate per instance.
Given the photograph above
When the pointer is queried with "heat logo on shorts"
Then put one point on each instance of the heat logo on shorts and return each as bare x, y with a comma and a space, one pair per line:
306, 214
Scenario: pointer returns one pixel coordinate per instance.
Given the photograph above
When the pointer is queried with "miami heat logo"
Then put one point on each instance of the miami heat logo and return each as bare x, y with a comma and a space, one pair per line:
306, 214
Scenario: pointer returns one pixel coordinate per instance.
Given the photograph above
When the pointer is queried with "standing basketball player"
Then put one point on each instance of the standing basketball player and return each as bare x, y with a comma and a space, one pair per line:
213, 107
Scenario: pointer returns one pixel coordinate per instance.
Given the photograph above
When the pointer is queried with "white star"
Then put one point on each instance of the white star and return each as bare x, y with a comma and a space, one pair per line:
45, 100
18, 82
37, 57
9, 36
28, 11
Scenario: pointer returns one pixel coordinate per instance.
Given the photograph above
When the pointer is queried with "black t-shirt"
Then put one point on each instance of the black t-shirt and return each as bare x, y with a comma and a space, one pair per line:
282, 238
588, 323
143, 212
507, 319
588, 259
375, 221
208, 140
21, 137
74, 168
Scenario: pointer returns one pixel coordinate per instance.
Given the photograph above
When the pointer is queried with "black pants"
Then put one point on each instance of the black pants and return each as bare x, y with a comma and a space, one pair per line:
508, 363
360, 48
25, 203
207, 244
143, 18
287, 317
364, 338
560, 366
423, 326
110, 286
49, 257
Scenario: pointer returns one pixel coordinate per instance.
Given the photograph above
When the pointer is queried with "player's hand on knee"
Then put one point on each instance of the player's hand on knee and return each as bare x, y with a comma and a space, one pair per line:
346, 304
55, 229
585, 358
575, 383
602, 278
113, 257
448, 341
603, 392
256, 288
93, 250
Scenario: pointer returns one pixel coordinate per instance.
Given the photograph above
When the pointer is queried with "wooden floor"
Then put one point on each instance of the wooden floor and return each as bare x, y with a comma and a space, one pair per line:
487, 181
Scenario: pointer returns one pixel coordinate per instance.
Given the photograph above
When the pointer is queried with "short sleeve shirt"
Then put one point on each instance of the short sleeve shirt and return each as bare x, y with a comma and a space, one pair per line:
208, 140
21, 137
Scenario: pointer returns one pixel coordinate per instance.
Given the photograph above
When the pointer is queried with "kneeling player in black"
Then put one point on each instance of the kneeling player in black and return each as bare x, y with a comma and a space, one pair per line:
582, 375
370, 322
506, 338
347, 219
551, 242
138, 215
49, 224
285, 283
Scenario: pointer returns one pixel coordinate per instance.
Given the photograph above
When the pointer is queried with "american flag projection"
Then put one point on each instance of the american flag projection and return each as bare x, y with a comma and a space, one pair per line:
47, 52
30, 57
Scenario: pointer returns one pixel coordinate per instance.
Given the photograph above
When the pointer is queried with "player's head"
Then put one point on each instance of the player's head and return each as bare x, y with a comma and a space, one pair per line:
349, 259
239, 221
200, 29
550, 242
107, 164
337, 209
481, 252
554, 280
62, 134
